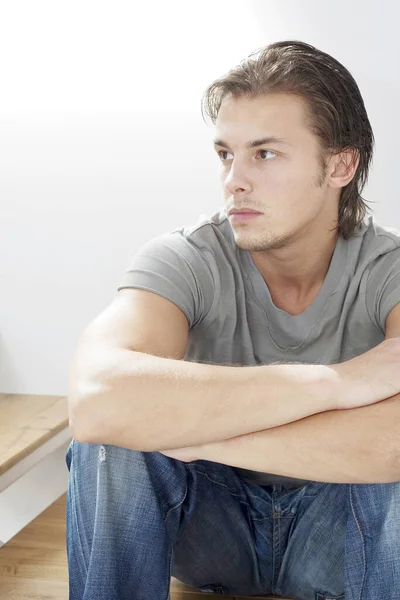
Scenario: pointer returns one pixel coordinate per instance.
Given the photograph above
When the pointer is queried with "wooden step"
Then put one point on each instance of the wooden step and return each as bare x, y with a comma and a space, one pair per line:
26, 423
34, 438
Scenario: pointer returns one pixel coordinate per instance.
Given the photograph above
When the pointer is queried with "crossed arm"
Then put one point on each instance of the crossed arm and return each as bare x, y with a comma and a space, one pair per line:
343, 446
360, 445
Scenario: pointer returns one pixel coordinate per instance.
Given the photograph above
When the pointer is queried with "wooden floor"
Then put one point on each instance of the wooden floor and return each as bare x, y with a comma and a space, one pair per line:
33, 564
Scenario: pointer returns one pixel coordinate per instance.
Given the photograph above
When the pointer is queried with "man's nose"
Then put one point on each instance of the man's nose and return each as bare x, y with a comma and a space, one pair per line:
236, 181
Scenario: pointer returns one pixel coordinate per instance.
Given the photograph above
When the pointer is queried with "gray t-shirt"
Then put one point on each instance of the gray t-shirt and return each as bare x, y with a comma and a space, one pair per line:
233, 320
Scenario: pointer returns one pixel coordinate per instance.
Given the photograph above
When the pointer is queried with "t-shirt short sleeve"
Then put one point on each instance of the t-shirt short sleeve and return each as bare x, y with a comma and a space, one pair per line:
383, 288
173, 267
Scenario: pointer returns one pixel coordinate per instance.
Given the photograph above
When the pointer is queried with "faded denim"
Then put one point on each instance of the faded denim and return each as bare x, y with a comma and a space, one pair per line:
134, 519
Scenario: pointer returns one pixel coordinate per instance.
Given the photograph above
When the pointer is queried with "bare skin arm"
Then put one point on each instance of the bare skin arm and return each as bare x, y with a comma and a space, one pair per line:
130, 387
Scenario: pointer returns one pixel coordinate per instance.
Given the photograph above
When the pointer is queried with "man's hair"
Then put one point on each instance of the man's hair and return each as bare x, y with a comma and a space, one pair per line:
335, 108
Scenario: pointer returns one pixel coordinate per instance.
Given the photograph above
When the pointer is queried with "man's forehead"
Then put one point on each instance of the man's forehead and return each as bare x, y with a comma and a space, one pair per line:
262, 111
278, 119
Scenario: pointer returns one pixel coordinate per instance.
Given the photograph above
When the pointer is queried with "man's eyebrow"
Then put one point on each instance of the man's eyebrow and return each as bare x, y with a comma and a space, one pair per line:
272, 139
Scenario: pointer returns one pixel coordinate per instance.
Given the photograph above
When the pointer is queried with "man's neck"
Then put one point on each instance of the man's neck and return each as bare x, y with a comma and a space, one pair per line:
298, 271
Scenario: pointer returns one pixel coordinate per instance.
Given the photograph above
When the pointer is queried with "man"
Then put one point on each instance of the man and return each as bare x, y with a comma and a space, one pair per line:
235, 410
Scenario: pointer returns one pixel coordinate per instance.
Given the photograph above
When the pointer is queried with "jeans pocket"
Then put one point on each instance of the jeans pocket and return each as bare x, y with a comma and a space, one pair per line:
327, 596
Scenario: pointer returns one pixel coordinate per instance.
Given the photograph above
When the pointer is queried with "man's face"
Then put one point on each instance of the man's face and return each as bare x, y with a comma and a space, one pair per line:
283, 180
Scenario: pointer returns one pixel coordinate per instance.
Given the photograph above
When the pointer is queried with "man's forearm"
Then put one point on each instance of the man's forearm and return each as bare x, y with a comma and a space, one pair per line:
359, 445
149, 403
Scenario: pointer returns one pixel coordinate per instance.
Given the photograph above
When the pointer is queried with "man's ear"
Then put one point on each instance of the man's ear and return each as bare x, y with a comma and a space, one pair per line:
342, 167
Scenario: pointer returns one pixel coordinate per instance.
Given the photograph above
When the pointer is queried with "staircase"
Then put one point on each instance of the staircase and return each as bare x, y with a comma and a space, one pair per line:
34, 438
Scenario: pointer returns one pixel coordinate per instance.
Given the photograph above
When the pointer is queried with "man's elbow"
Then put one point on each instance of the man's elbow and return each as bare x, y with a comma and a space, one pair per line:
79, 434
90, 424
82, 422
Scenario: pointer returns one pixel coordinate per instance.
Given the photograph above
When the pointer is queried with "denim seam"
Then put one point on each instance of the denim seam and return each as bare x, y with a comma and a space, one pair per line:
77, 527
362, 538
225, 486
176, 505
169, 577
73, 504
239, 496
171, 553
323, 486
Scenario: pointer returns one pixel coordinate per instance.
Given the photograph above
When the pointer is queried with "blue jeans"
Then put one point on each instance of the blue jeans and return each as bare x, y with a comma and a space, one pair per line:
134, 519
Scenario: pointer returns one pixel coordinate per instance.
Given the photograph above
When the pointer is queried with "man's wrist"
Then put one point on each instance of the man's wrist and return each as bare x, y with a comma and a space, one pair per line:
330, 387
313, 382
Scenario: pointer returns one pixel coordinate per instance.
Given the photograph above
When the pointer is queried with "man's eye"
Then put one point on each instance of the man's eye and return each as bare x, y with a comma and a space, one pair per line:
268, 152
223, 152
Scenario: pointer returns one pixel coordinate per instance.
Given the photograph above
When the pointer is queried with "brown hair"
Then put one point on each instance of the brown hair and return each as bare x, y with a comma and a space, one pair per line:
337, 114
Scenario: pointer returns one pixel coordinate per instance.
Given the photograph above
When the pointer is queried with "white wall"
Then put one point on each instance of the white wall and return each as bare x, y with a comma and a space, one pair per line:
102, 143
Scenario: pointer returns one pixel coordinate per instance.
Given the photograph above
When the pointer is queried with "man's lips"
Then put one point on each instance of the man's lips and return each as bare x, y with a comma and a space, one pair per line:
244, 216
243, 211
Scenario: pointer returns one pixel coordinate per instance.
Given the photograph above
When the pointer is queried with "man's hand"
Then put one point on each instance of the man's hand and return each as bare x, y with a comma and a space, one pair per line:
370, 377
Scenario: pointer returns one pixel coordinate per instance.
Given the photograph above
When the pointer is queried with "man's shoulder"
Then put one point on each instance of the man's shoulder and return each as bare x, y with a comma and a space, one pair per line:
385, 234
376, 240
